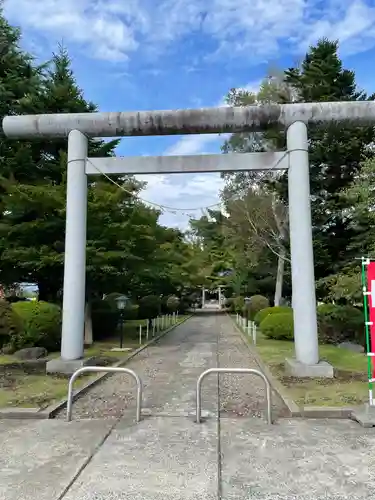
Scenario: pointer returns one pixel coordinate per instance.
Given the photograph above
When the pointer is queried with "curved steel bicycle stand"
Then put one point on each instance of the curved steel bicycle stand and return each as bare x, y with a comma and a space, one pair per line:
107, 369
232, 370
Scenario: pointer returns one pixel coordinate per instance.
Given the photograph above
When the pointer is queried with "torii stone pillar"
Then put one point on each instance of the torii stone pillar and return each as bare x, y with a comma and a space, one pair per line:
301, 247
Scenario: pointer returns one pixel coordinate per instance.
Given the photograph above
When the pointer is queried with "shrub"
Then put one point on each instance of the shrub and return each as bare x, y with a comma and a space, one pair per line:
340, 324
238, 304
193, 298
278, 326
256, 304
172, 303
263, 313
40, 325
229, 304
112, 297
130, 312
10, 323
105, 318
184, 305
14, 298
149, 307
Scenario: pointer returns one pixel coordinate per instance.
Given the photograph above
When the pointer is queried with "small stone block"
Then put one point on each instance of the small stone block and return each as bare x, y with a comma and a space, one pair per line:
326, 412
294, 368
65, 367
364, 415
22, 413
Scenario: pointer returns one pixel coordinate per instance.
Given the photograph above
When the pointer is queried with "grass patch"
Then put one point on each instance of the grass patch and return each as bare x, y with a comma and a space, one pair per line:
19, 390
348, 388
39, 390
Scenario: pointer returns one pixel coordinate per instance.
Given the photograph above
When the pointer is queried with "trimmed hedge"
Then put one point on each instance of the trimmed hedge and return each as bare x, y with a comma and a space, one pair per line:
105, 318
338, 324
130, 312
229, 304
278, 326
263, 313
10, 323
40, 325
172, 303
237, 304
149, 307
255, 304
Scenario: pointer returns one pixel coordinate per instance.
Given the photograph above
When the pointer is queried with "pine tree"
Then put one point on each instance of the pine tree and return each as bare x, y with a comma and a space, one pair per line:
20, 82
32, 229
335, 151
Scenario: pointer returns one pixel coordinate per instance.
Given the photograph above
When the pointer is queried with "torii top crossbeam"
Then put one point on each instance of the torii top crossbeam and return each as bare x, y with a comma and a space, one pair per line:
188, 121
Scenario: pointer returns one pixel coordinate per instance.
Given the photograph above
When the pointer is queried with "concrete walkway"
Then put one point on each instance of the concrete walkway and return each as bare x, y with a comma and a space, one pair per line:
104, 455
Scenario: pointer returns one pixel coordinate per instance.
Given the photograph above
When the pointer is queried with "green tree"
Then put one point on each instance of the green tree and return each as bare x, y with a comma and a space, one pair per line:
33, 224
20, 82
335, 151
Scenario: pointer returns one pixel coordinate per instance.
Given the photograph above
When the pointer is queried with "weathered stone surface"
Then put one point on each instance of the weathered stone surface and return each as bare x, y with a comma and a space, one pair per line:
351, 346
322, 369
31, 353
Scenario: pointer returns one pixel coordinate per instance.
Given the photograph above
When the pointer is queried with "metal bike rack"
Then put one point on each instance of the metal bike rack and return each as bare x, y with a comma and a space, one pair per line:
107, 369
232, 370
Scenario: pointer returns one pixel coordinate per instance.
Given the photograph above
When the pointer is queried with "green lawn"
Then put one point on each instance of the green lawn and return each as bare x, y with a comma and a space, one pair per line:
348, 388
39, 390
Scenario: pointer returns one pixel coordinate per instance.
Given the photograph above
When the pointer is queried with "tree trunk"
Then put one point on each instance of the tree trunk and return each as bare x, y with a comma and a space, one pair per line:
88, 339
280, 277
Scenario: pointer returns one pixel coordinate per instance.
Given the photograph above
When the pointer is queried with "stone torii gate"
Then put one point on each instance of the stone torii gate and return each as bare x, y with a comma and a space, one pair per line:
295, 118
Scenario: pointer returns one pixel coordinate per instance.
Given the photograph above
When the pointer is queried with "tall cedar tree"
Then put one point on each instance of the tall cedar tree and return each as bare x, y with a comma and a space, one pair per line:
32, 229
335, 151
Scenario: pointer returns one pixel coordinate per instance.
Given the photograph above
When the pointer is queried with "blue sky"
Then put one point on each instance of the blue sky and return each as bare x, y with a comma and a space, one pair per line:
165, 54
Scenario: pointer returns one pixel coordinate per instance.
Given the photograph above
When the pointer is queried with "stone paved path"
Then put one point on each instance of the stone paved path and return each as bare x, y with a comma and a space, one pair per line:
234, 454
169, 371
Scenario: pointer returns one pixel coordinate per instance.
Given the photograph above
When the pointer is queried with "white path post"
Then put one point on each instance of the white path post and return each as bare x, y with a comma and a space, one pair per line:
153, 326
73, 315
254, 334
303, 281
203, 297
140, 334
147, 329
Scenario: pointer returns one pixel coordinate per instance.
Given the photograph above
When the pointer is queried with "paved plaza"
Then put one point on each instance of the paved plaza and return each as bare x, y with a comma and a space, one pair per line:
104, 455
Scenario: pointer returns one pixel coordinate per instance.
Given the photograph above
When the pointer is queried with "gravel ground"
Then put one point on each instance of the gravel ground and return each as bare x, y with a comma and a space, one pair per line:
117, 393
242, 395
169, 370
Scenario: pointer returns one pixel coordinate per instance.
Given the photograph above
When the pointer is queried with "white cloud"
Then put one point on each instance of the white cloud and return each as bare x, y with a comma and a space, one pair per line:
184, 195
106, 28
114, 29
189, 191
193, 144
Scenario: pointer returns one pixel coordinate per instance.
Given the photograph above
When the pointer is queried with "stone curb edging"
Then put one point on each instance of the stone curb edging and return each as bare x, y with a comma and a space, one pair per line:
50, 411
294, 410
